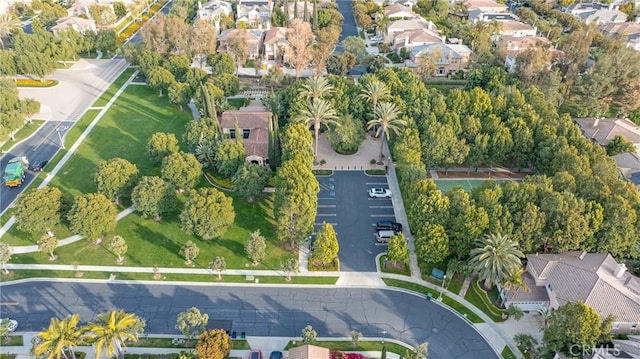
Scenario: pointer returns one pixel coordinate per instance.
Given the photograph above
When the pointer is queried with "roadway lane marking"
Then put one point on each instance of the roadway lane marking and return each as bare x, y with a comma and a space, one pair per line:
382, 215
326, 198
9, 303
328, 206
377, 183
326, 215
331, 223
47, 136
380, 207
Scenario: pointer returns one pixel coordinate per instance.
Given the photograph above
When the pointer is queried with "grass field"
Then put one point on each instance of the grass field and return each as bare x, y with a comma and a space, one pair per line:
107, 95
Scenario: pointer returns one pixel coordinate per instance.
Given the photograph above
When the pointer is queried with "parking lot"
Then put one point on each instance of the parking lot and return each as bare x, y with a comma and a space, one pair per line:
343, 202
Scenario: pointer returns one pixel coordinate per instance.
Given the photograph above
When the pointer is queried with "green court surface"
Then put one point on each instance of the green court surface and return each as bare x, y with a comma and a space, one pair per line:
446, 185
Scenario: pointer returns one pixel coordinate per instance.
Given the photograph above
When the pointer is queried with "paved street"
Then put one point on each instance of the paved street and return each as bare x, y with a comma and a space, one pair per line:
343, 202
349, 27
61, 106
264, 311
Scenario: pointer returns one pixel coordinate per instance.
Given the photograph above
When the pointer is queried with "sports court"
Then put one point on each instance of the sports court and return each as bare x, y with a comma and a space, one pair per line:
446, 185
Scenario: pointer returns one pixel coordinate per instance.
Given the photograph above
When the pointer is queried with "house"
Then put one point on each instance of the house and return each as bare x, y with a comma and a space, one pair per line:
603, 130
629, 167
482, 5
275, 44
411, 38
477, 15
516, 29
453, 58
213, 11
596, 13
414, 23
398, 11
630, 31
77, 23
301, 7
595, 279
514, 46
309, 352
253, 39
254, 14
253, 121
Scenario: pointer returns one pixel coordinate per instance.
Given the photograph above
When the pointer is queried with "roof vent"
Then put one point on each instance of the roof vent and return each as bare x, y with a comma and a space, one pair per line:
582, 254
619, 270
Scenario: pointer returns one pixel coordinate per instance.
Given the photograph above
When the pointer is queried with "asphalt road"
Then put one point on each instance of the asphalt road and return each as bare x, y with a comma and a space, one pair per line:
349, 27
43, 145
343, 201
61, 106
263, 311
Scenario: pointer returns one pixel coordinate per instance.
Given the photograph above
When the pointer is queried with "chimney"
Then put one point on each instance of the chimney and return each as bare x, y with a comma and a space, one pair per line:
582, 255
618, 272
596, 122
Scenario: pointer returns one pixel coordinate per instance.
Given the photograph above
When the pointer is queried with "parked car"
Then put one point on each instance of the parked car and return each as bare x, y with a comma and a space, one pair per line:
379, 193
11, 324
389, 225
384, 236
255, 354
276, 355
38, 166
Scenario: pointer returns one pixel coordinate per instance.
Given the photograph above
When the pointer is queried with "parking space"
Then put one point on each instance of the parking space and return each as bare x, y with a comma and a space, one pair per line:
343, 202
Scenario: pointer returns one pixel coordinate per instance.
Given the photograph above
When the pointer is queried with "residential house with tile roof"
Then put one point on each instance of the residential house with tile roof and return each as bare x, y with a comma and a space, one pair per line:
300, 4
629, 167
630, 32
514, 46
213, 11
414, 23
79, 24
253, 122
452, 58
398, 11
595, 279
254, 14
596, 13
409, 39
482, 5
309, 352
477, 15
603, 130
275, 44
253, 39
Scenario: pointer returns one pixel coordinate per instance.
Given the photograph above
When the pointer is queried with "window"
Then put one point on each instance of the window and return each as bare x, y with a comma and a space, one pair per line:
245, 133
232, 132
634, 326
441, 71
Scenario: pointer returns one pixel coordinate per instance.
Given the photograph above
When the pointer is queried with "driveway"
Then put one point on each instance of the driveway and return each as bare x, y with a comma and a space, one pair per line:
61, 106
258, 311
344, 203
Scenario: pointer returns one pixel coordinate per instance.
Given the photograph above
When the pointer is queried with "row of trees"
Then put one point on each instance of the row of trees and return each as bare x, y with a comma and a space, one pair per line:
14, 112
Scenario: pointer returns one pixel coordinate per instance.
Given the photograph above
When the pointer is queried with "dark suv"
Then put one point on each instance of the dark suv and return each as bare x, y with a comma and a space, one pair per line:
389, 225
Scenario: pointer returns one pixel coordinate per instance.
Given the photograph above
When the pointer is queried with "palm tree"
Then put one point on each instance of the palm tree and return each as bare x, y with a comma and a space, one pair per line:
495, 259
385, 119
58, 340
374, 91
316, 88
8, 23
112, 330
318, 113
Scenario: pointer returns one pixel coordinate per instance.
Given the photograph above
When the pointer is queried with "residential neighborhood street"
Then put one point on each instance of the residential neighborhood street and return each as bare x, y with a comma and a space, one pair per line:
265, 311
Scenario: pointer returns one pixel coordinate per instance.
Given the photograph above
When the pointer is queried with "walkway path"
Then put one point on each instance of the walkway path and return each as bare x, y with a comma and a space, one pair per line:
465, 286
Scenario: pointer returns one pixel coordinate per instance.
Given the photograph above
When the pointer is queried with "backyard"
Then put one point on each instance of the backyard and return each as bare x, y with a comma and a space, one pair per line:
124, 132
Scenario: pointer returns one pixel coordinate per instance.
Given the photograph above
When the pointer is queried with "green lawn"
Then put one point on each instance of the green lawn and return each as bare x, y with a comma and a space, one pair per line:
347, 346
237, 103
151, 342
478, 297
507, 353
26, 131
115, 86
404, 271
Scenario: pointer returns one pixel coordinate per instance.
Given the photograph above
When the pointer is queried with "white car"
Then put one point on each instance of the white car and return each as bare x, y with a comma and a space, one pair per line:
379, 193
11, 324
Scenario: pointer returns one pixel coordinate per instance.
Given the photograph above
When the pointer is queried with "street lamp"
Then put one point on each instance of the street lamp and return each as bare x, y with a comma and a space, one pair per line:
444, 278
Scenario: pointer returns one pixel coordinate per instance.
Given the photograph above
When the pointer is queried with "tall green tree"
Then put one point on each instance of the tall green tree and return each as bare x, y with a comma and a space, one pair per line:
431, 243
618, 145
116, 178
153, 197
48, 244
58, 340
298, 144
250, 180
182, 170
192, 319
326, 247
230, 155
207, 213
92, 216
374, 91
386, 120
256, 247
160, 145
160, 79
398, 249
495, 259
5, 256
316, 88
572, 325
8, 24
113, 330
118, 246
218, 265
38, 211
318, 113
190, 252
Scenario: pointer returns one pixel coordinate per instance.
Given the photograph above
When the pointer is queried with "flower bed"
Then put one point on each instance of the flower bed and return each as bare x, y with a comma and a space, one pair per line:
35, 83
337, 354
